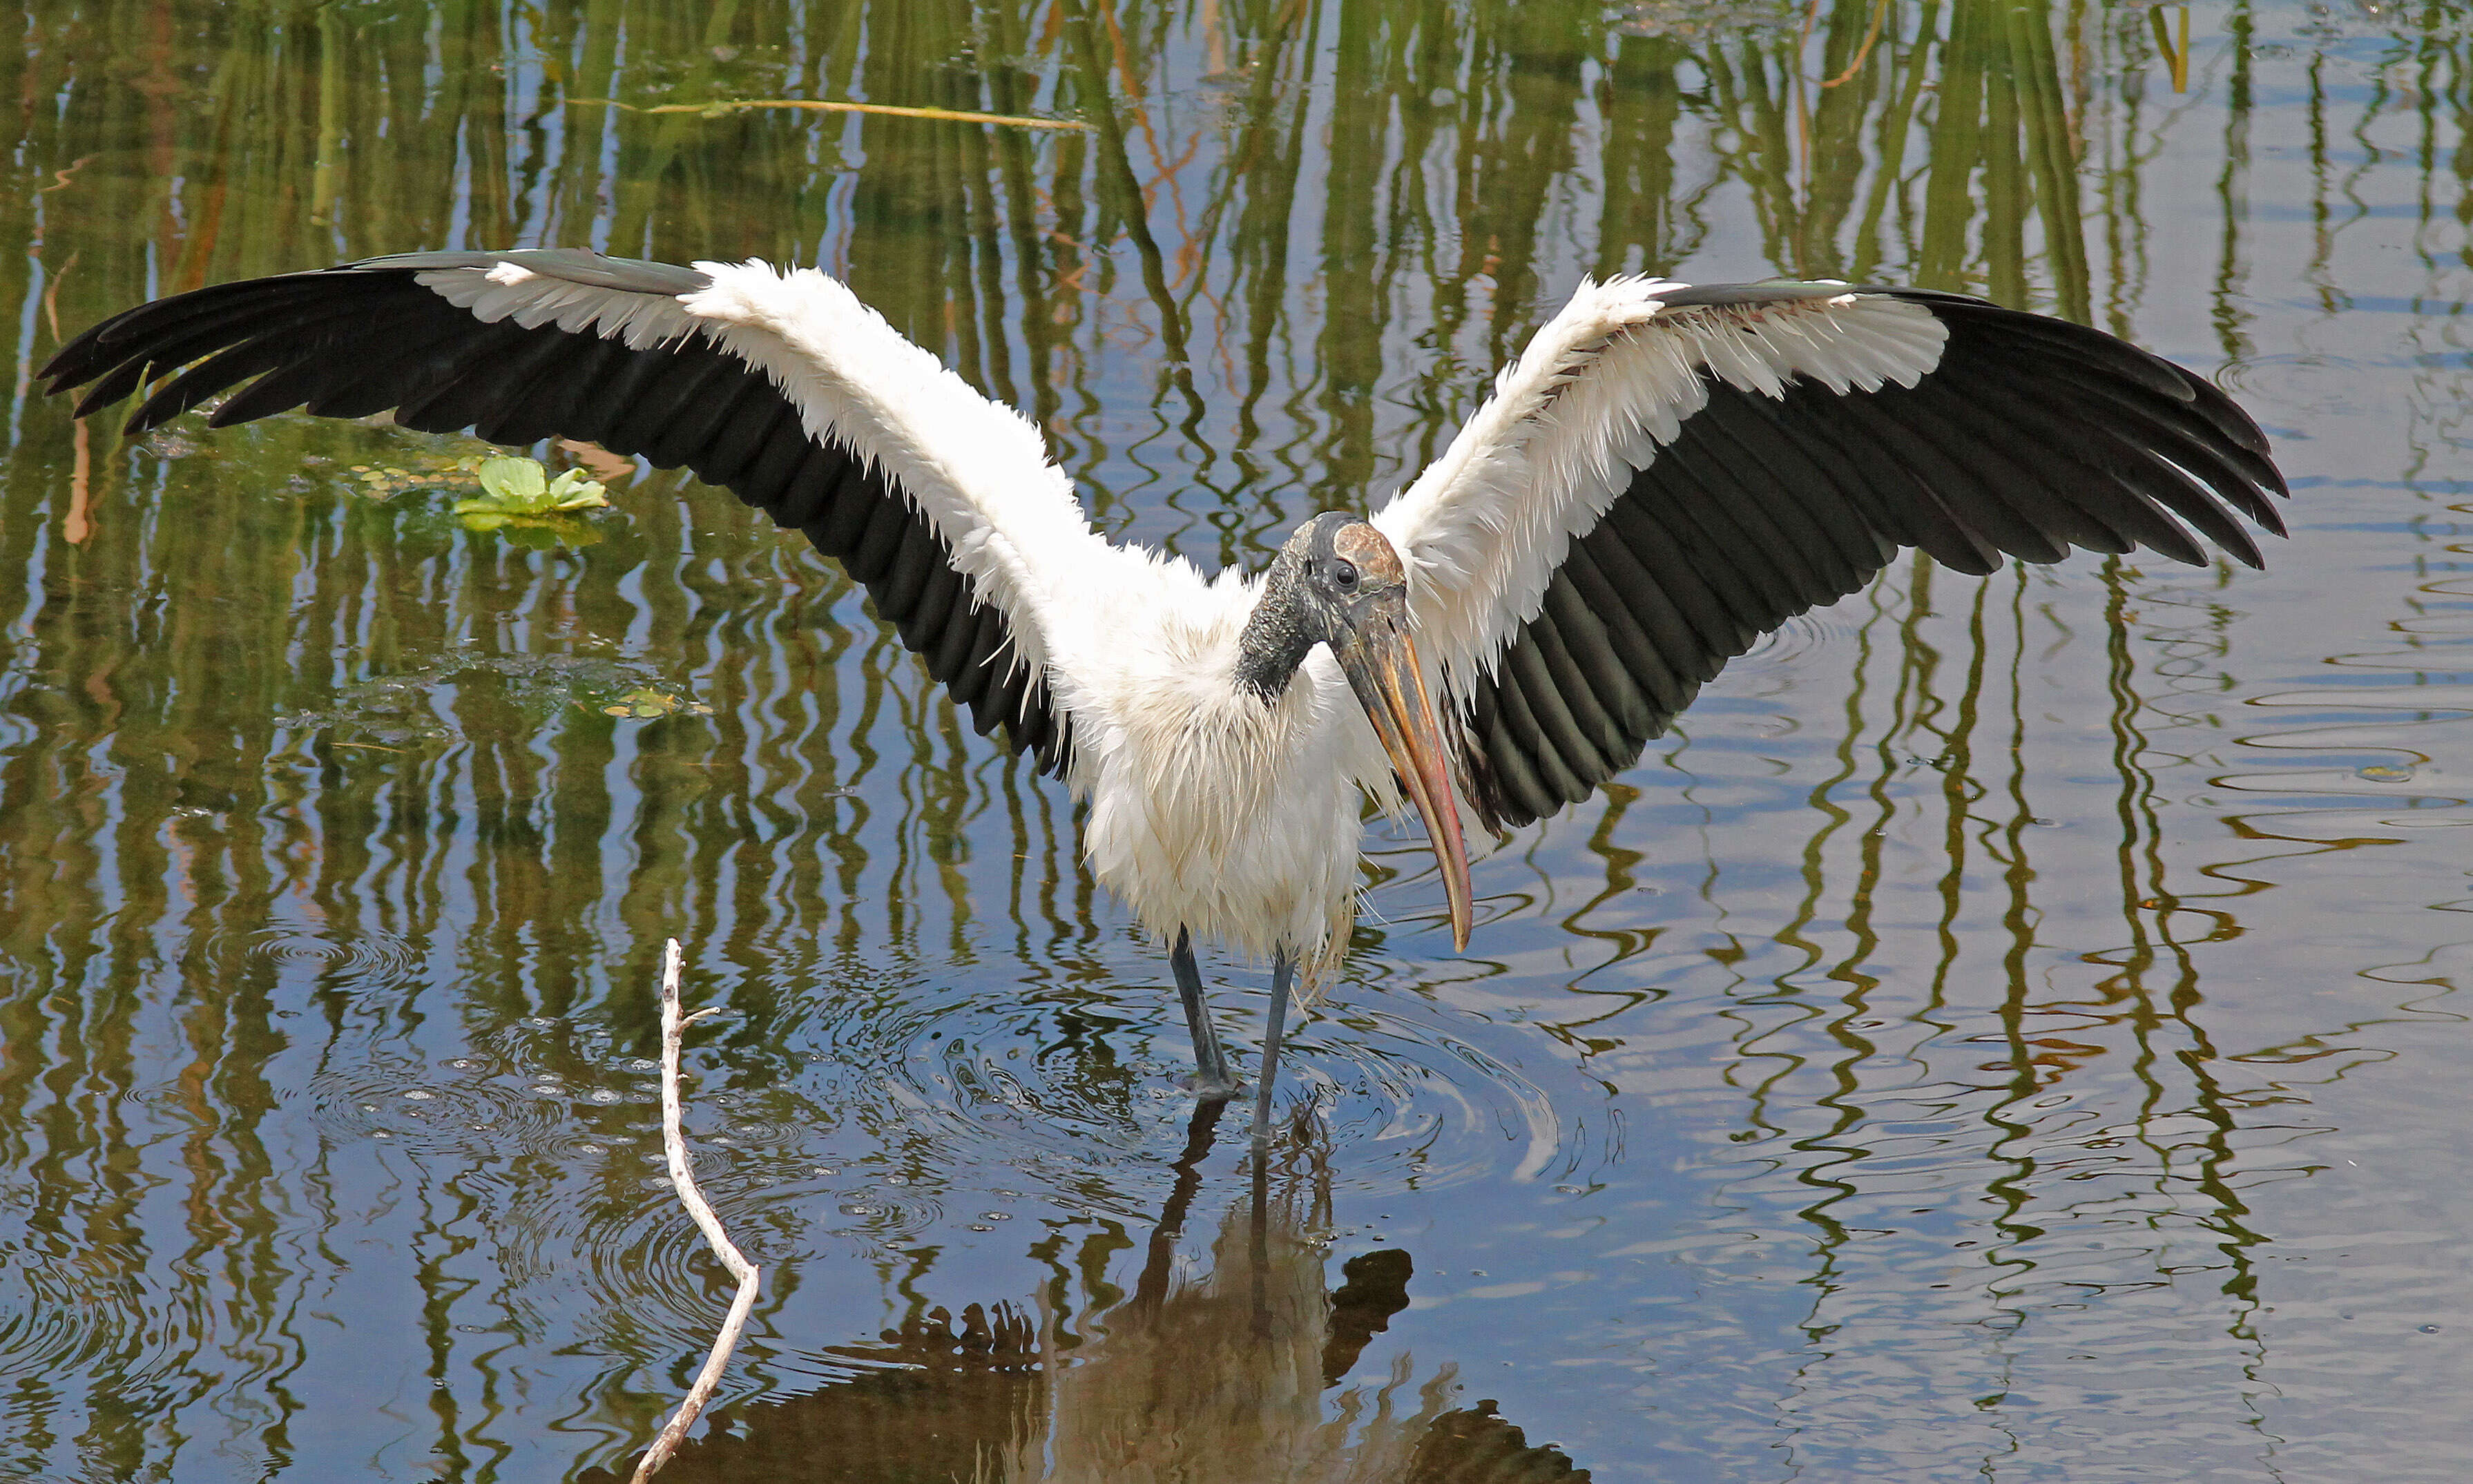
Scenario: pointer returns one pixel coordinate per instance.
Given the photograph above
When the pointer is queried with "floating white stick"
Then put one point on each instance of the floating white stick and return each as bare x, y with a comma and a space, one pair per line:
683, 1176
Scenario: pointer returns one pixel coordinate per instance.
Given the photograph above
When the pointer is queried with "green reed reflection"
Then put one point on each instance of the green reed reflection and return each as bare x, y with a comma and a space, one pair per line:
308, 800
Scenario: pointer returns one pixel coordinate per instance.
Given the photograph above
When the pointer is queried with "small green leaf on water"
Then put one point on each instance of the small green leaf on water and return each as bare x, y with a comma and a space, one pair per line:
521, 487
521, 497
646, 703
385, 481
574, 489
518, 483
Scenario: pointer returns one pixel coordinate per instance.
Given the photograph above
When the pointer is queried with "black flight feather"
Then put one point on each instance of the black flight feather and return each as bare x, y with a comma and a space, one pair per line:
2030, 436
368, 336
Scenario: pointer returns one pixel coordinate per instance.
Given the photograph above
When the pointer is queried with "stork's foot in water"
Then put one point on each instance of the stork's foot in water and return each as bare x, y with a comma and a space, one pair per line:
1284, 970
1210, 1080
1211, 1090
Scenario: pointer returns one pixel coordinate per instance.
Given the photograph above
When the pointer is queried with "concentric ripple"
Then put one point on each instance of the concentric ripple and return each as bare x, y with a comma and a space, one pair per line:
1086, 1093
1790, 641
473, 1109
368, 958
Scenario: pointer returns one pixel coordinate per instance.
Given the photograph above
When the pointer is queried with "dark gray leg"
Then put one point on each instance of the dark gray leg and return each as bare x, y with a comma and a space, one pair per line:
1211, 1076
1284, 970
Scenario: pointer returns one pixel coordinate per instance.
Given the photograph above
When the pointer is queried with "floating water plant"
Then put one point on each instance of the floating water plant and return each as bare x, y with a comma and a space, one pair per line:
534, 509
647, 702
515, 488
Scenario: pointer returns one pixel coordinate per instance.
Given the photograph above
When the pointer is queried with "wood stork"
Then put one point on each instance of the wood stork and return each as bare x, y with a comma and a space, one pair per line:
1666, 472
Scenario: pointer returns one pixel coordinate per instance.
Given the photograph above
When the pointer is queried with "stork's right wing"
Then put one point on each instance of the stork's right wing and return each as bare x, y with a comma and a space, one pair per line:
1669, 471
783, 387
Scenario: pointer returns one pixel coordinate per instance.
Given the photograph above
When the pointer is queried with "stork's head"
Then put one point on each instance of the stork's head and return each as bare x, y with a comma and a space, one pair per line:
1338, 582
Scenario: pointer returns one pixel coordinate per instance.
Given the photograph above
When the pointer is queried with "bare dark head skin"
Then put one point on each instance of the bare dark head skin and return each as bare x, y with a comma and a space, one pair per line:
1334, 576
1339, 582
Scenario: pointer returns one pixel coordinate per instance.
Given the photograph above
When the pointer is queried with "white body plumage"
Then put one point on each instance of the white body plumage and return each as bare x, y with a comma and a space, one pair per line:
1211, 808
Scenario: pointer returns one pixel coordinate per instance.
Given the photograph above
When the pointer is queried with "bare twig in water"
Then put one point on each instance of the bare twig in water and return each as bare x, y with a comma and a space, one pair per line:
824, 105
683, 1176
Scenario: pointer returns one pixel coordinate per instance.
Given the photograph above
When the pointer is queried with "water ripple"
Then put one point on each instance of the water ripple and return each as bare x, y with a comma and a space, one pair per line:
1402, 1093
1789, 643
369, 957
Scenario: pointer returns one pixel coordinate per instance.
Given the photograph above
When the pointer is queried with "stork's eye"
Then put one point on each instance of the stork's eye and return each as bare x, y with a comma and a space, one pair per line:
1343, 572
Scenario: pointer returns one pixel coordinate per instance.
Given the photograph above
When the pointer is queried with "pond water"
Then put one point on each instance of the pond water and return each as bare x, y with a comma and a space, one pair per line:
2007, 1029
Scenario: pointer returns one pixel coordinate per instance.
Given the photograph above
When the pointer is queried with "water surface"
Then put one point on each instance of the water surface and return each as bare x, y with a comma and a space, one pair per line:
2007, 1030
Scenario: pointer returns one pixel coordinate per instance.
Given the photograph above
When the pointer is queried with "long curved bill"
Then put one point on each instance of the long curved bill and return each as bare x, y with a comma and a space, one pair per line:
1380, 662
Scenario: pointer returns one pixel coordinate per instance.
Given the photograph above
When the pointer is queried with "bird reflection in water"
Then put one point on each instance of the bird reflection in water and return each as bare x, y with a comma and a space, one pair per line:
1214, 1379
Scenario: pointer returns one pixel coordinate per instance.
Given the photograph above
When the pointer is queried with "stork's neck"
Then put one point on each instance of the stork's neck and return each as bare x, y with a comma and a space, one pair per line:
1276, 640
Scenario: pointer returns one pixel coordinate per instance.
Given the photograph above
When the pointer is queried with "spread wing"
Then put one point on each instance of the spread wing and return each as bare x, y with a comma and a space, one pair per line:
1669, 471
780, 386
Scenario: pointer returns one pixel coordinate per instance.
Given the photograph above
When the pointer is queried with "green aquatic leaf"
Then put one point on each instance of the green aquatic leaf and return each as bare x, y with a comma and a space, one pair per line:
522, 486
530, 509
647, 702
512, 484
574, 489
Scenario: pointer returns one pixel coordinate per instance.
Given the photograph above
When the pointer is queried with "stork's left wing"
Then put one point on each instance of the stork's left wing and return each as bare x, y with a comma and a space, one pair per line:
783, 387
1669, 471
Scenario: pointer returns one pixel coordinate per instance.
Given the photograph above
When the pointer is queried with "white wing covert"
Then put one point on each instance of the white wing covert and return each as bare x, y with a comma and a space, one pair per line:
1669, 471
782, 387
